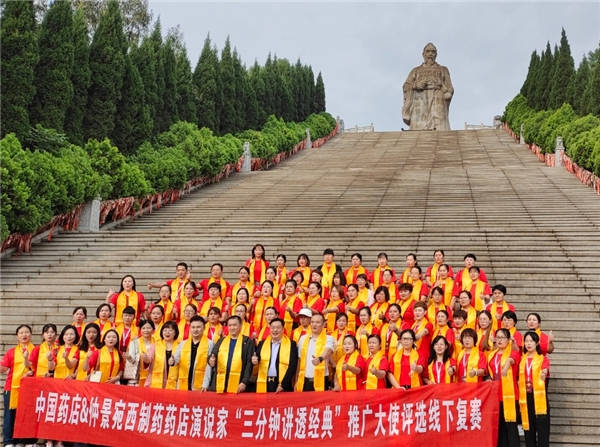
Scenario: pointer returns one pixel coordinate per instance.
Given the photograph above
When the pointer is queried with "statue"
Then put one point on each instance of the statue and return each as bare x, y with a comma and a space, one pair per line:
427, 94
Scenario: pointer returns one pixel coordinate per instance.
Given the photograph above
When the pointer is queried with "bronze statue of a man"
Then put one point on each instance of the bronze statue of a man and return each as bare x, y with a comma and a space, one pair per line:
427, 94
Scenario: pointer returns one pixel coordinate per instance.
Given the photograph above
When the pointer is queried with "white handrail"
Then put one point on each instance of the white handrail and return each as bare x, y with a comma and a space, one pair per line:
355, 129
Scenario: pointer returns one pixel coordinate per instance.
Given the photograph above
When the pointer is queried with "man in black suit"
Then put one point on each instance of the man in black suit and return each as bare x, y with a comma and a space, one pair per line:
277, 357
229, 367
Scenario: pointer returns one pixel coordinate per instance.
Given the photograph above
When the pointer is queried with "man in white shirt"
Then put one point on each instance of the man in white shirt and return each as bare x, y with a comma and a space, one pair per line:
314, 357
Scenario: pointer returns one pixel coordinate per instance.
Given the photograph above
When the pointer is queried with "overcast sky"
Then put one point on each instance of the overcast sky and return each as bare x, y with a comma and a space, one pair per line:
365, 50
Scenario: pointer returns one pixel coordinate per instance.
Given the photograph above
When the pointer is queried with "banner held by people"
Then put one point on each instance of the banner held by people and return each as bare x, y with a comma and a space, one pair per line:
437, 415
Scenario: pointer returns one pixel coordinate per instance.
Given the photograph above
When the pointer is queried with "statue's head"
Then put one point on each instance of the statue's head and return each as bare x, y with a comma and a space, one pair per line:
429, 54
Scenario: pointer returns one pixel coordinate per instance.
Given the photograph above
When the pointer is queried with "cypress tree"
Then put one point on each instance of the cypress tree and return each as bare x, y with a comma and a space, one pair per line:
169, 113
144, 59
310, 85
542, 82
107, 64
133, 124
319, 95
54, 88
252, 110
186, 106
285, 90
80, 78
564, 70
205, 86
258, 86
157, 44
227, 78
17, 64
240, 92
577, 87
591, 96
531, 74
300, 92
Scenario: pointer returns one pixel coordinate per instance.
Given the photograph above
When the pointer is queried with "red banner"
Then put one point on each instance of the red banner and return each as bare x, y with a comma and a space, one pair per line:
114, 415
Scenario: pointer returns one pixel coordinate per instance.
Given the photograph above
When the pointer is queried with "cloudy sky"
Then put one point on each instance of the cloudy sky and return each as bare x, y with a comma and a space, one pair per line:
365, 50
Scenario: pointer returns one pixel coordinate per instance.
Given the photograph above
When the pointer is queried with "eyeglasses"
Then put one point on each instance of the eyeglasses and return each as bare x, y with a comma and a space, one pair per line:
501, 337
406, 339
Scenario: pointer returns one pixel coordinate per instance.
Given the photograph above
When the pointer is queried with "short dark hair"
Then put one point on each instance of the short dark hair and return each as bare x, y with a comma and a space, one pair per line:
197, 318
499, 287
236, 318
129, 310
214, 285
170, 324
468, 332
182, 264
470, 255
61, 337
279, 320
100, 308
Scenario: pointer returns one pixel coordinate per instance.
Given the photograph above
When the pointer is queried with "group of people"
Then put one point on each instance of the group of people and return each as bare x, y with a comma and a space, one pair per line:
280, 330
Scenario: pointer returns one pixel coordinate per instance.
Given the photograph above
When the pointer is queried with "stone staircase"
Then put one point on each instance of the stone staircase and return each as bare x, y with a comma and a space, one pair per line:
533, 228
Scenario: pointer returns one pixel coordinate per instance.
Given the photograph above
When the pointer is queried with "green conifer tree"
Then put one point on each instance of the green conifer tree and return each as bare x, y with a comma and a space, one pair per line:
227, 78
577, 86
528, 85
240, 92
186, 106
258, 86
564, 71
319, 95
205, 86
80, 78
133, 124
591, 96
54, 88
107, 64
170, 114
144, 59
157, 44
17, 64
542, 82
310, 85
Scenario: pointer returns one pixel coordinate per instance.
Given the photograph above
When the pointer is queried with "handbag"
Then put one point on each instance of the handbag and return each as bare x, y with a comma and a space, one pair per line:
132, 370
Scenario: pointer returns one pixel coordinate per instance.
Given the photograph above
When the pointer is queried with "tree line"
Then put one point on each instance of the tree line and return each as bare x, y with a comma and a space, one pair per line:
552, 80
557, 100
100, 69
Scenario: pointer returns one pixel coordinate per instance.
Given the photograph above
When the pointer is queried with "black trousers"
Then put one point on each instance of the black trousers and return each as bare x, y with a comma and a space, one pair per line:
309, 385
539, 425
271, 385
508, 432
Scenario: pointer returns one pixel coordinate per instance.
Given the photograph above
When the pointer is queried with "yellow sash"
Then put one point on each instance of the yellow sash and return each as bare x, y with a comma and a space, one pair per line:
289, 301
61, 371
235, 289
235, 372
480, 337
182, 325
352, 273
306, 275
433, 273
122, 302
332, 316
433, 377
404, 305
223, 284
216, 329
133, 334
19, 371
393, 343
472, 364
261, 334
81, 374
448, 287
497, 324
466, 280
418, 327
246, 329
143, 350
319, 379
372, 379
328, 272
298, 333
393, 290
175, 286
377, 279
108, 364
339, 342
362, 338
508, 389
184, 302
159, 366
471, 320
351, 317
281, 276
432, 313
539, 389
350, 377
416, 292
476, 302
42, 360
199, 365
156, 334
208, 304
415, 380
310, 302
260, 306
263, 270
406, 277
265, 360
376, 309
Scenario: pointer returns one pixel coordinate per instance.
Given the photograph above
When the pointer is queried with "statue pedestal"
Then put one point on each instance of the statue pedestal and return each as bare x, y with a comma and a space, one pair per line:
90, 216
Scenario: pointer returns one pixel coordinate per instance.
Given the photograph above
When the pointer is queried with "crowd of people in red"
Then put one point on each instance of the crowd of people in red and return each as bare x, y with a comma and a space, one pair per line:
303, 329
